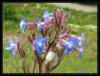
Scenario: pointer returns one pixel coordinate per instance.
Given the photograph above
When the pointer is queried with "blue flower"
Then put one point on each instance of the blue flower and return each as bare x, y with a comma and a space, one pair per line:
68, 47
82, 38
74, 41
46, 14
40, 25
22, 24
71, 44
39, 44
66, 51
80, 51
11, 46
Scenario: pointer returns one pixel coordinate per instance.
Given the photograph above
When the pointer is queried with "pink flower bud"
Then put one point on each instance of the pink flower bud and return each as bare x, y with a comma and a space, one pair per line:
59, 13
60, 16
48, 22
31, 25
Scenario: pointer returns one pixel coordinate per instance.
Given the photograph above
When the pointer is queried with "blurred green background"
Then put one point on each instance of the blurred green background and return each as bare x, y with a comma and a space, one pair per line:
80, 21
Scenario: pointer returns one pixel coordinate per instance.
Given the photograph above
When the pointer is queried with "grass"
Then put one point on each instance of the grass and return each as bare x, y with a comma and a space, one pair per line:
70, 63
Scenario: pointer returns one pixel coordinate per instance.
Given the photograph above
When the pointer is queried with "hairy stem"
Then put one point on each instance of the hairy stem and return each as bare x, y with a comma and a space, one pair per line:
23, 65
34, 65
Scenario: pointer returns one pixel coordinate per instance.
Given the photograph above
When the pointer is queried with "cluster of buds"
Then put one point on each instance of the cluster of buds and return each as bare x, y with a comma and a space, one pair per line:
53, 41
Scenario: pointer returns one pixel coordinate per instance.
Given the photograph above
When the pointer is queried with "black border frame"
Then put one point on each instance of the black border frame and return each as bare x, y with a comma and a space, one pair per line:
1, 53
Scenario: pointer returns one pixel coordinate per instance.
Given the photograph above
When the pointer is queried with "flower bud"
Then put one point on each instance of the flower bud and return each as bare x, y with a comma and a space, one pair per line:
50, 56
59, 13
31, 25
48, 23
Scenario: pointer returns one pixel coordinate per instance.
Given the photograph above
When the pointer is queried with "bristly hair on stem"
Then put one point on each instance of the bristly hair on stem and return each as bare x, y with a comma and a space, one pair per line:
23, 65
20, 50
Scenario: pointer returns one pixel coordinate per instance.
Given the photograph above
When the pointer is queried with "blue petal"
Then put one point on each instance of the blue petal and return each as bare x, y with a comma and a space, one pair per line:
37, 48
13, 44
35, 44
38, 39
72, 48
47, 14
40, 26
12, 51
8, 47
44, 40
51, 14
66, 51
39, 23
81, 50
82, 38
10, 41
74, 41
65, 45
43, 47
37, 19
22, 24
68, 44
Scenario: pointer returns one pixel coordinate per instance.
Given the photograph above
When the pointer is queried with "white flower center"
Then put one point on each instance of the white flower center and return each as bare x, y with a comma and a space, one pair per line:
40, 44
